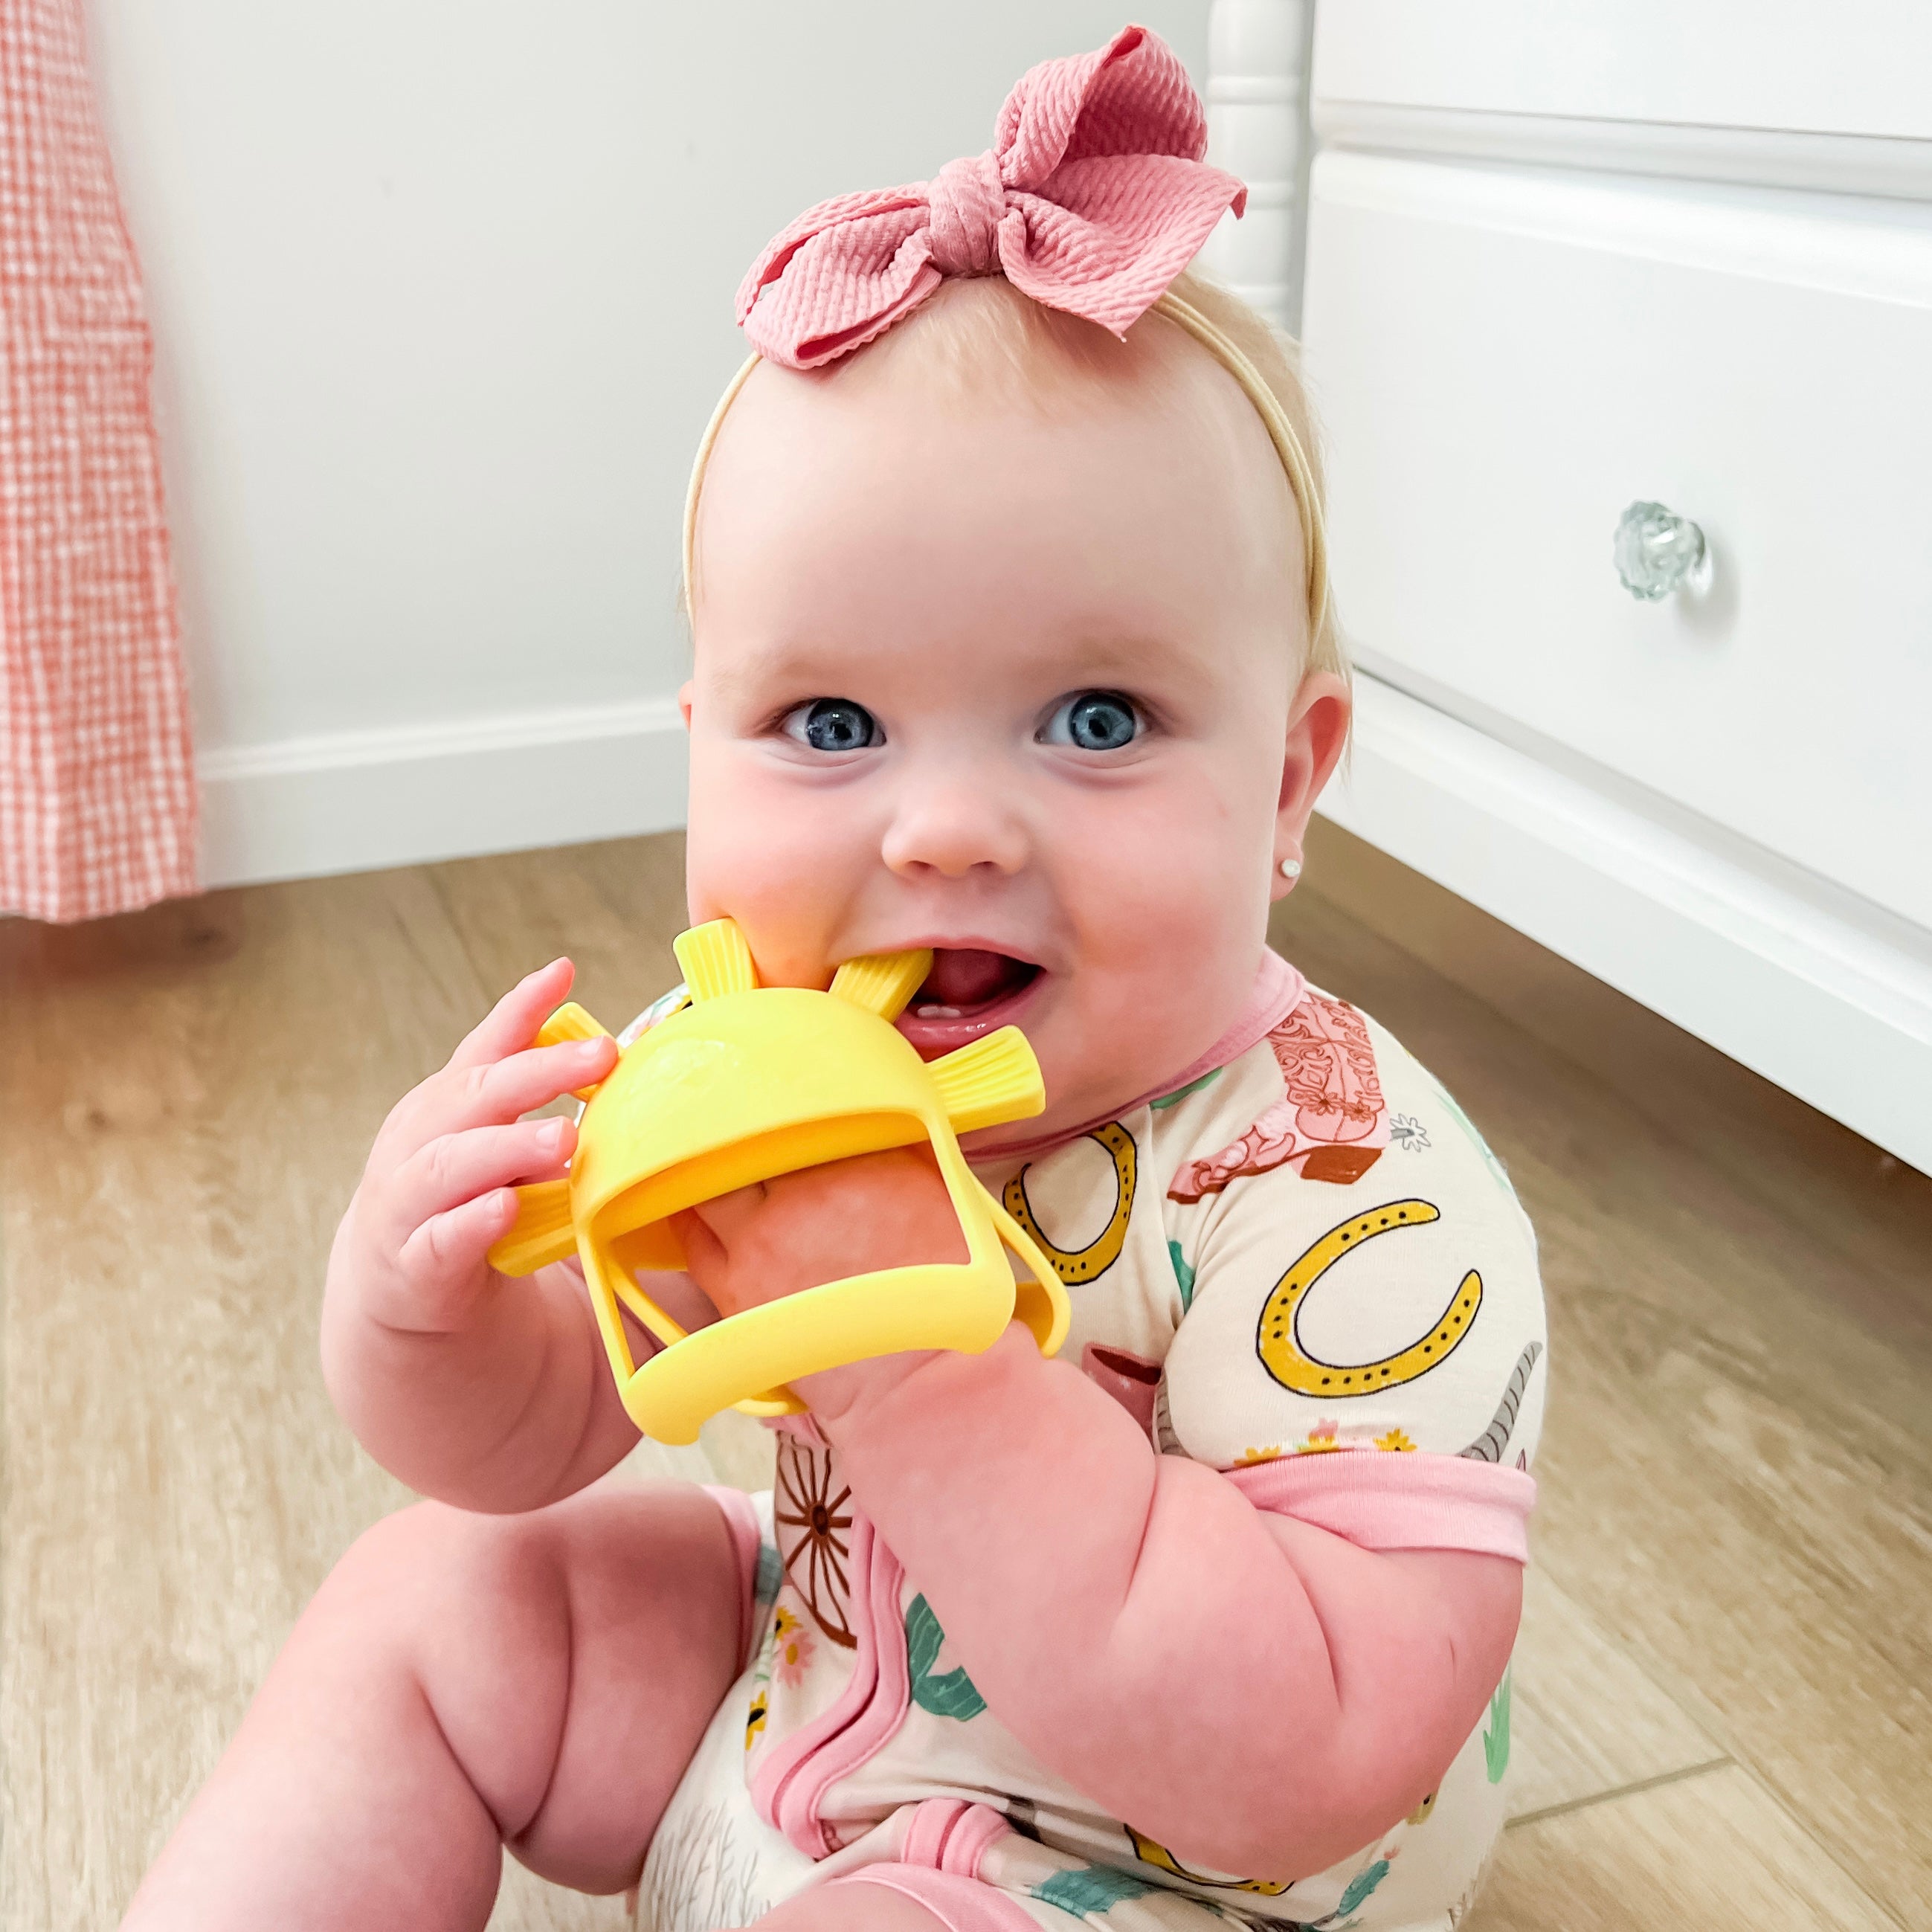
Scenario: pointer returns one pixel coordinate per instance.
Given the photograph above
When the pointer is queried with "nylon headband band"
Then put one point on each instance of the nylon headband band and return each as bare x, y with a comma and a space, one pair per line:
1274, 419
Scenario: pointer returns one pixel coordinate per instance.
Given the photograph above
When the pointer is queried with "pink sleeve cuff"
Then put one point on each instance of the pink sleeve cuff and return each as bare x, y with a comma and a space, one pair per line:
1387, 1500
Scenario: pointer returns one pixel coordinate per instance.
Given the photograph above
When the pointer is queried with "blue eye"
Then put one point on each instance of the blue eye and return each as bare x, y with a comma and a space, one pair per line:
1093, 720
833, 724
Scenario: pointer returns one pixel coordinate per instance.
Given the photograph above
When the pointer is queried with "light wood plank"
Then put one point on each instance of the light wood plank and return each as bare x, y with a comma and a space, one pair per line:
189, 1095
1714, 1852
1584, 1719
614, 908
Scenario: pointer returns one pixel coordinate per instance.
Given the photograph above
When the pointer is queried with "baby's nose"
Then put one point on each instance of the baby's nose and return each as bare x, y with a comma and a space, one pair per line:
953, 826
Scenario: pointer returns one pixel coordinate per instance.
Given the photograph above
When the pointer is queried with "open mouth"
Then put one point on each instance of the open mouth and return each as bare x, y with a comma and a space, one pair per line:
968, 993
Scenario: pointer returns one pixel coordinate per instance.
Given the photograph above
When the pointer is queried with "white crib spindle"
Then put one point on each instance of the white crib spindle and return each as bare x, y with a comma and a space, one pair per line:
1258, 128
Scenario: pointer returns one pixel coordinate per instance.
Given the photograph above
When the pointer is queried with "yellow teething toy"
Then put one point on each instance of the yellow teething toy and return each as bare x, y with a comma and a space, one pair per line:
743, 1084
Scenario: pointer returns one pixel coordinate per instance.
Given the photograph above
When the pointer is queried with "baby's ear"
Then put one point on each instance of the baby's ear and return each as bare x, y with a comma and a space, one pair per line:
684, 702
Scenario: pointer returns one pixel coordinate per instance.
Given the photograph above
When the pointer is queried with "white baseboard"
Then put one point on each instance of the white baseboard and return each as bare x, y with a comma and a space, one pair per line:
355, 802
1827, 1008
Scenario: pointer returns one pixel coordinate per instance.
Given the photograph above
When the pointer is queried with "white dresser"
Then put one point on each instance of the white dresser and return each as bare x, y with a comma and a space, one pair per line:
1564, 259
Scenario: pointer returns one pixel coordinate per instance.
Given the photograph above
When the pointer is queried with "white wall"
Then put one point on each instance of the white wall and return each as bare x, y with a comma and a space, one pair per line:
442, 296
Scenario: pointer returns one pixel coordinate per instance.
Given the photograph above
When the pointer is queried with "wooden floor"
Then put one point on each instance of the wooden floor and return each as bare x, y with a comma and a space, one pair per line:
1722, 1718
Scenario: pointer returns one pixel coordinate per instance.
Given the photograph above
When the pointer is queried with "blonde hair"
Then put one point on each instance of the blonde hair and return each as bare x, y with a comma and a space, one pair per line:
966, 338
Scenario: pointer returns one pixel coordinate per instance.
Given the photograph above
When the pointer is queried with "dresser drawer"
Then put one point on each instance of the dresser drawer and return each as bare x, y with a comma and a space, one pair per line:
1504, 359
1855, 68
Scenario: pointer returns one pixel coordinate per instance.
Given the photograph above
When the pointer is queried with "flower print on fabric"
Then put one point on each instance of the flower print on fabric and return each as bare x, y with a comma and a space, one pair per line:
792, 1648
1324, 1439
811, 1512
1331, 1120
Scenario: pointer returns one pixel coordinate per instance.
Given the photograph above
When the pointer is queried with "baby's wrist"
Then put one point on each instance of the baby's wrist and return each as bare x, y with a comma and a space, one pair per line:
852, 1399
840, 1396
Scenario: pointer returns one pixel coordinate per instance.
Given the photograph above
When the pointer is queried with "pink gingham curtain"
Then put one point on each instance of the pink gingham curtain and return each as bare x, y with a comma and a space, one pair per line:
97, 792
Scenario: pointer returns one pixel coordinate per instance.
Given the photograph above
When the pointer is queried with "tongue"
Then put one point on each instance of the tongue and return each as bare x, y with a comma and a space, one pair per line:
970, 978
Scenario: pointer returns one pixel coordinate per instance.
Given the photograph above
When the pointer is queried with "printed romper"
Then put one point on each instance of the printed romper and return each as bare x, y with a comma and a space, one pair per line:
1303, 1269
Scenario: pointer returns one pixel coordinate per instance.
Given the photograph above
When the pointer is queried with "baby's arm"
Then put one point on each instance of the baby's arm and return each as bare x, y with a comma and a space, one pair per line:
1258, 1695
478, 1389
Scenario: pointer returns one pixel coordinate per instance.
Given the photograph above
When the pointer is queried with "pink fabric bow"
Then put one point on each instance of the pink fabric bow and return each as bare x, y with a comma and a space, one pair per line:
1092, 198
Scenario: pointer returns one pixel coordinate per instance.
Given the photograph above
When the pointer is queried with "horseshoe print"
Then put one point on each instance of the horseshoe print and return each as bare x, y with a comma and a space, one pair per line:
1162, 1859
1083, 1265
1277, 1341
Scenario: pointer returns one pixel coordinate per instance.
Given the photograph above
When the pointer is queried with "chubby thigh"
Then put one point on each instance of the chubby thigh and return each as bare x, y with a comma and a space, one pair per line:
461, 1682
578, 1653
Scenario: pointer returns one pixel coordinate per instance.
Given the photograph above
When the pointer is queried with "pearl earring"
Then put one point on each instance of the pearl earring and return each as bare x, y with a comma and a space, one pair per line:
1291, 868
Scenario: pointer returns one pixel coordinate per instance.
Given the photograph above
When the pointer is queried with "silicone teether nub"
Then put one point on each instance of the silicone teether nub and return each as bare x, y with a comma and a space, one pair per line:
570, 1022
989, 1081
543, 1231
883, 982
715, 960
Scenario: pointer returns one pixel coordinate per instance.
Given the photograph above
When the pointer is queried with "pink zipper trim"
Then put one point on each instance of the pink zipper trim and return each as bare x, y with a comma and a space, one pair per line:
789, 1755
875, 1725
792, 1782
951, 1835
932, 1852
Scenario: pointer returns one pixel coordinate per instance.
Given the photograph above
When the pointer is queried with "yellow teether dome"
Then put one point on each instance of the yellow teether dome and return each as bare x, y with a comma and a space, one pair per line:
745, 1083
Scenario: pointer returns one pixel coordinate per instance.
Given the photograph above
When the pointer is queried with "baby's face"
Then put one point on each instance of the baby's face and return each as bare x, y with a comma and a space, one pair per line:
1019, 686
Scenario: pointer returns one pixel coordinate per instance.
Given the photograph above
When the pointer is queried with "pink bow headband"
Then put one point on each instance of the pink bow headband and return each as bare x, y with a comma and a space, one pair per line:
1092, 198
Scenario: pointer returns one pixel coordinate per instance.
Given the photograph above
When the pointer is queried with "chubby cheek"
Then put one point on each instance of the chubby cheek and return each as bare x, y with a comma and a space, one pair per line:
1169, 893
782, 860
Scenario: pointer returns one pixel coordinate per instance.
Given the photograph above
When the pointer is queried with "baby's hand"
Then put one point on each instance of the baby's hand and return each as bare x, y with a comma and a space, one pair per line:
876, 1210
412, 1251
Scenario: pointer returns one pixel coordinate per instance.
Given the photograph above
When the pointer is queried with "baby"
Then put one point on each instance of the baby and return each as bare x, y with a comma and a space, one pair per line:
1013, 641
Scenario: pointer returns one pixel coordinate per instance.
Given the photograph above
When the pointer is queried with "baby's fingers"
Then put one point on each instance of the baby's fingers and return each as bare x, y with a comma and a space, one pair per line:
511, 1024
456, 1168
494, 1093
727, 1218
442, 1262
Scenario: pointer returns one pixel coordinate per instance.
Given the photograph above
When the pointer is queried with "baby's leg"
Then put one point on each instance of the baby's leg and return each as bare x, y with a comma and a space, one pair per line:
459, 1682
851, 1906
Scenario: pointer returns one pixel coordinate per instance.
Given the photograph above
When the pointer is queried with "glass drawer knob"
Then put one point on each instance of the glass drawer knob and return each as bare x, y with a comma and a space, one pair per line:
1657, 551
